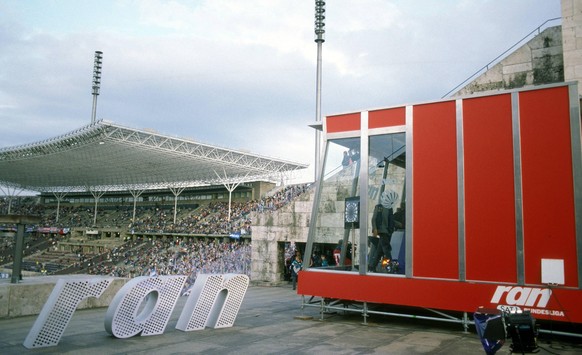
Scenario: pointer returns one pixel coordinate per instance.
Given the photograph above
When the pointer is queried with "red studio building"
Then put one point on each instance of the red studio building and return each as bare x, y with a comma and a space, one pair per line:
486, 206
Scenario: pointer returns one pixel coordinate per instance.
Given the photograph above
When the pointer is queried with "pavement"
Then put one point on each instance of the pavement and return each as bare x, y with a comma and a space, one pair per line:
272, 321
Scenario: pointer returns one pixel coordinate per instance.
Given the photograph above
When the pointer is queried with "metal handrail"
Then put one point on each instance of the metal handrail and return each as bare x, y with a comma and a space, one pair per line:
486, 67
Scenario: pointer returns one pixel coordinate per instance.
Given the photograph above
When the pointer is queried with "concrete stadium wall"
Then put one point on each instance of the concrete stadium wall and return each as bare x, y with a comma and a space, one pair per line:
555, 55
29, 296
539, 61
288, 224
572, 40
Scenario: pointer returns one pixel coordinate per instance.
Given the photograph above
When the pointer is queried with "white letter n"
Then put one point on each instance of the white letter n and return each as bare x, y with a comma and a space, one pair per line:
214, 301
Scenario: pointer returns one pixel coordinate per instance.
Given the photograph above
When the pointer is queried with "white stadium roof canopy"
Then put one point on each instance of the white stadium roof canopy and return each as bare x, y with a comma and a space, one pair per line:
106, 156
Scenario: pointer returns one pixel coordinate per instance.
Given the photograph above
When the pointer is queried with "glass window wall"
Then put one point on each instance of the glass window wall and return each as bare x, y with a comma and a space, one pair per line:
334, 238
386, 203
333, 241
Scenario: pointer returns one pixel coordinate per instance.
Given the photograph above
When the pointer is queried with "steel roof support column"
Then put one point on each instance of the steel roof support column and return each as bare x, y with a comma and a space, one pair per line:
11, 193
176, 191
136, 194
96, 195
286, 177
230, 187
59, 195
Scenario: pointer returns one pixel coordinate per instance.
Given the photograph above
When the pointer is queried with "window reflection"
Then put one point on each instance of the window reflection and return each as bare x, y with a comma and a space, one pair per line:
335, 234
386, 204
332, 239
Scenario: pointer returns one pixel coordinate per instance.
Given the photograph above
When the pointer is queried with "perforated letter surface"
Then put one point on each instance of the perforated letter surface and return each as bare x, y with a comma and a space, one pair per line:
144, 305
59, 308
214, 301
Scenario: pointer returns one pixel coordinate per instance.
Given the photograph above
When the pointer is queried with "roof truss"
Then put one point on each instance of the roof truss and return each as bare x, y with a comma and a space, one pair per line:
107, 156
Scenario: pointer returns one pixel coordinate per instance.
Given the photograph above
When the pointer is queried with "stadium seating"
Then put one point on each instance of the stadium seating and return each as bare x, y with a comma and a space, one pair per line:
198, 241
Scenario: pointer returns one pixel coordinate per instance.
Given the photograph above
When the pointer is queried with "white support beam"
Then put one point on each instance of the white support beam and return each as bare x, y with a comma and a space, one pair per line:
176, 191
11, 192
230, 187
96, 195
135, 193
59, 195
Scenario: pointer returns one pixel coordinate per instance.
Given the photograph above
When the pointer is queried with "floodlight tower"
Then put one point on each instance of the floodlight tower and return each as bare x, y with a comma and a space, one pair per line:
96, 82
319, 39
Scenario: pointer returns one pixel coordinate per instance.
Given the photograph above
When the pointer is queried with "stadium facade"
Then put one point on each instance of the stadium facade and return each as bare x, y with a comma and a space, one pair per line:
106, 161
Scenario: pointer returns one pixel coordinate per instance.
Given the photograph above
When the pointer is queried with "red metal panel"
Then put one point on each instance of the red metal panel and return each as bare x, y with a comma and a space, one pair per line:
547, 182
557, 304
387, 118
490, 237
343, 123
435, 206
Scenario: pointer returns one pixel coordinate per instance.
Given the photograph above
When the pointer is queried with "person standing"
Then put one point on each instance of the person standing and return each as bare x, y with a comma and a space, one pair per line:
346, 160
383, 227
296, 266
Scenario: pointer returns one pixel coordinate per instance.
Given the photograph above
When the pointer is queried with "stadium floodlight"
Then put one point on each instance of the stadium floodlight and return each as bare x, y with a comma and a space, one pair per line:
319, 39
319, 21
96, 82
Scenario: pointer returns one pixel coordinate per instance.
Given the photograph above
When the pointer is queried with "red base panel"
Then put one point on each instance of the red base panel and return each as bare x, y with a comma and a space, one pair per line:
557, 304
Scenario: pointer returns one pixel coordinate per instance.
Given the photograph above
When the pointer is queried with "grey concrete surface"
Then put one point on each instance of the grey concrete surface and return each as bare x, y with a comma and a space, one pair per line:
29, 295
270, 321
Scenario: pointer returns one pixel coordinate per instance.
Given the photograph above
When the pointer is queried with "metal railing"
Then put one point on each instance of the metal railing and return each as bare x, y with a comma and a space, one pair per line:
497, 59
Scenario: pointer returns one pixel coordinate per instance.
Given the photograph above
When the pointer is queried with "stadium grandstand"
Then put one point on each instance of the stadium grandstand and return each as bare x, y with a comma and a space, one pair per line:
125, 202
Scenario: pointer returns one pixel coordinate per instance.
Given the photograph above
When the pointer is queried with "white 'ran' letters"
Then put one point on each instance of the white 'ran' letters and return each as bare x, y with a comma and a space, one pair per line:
143, 306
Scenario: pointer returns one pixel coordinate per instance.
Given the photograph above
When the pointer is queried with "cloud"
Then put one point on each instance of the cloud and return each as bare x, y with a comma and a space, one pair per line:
239, 74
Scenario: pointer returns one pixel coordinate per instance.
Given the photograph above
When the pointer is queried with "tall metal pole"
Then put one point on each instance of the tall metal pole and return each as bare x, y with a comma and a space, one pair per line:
18, 249
96, 82
319, 39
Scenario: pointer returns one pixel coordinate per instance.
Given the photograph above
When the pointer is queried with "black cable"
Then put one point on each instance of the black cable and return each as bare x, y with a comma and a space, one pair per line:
541, 347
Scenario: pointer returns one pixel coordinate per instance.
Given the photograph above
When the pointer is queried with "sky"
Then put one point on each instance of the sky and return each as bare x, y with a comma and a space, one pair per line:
240, 74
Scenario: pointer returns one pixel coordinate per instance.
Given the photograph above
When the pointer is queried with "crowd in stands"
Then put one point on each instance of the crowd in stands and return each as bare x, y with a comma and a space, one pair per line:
211, 219
190, 257
207, 219
6, 250
31, 246
156, 256
280, 198
25, 205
